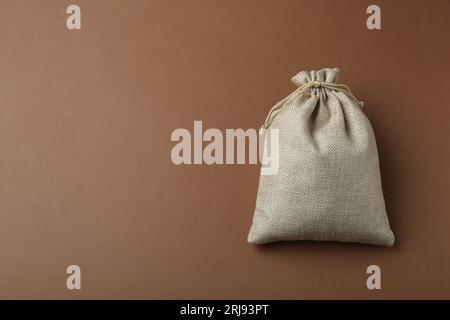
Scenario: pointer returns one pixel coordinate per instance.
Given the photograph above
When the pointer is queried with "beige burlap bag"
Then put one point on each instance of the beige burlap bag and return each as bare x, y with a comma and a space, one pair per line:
328, 185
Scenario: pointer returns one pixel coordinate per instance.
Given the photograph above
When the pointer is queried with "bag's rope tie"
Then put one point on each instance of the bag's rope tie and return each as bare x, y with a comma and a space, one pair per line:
301, 90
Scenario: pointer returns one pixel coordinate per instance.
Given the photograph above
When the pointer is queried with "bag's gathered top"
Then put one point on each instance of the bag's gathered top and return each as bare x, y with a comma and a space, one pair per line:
304, 88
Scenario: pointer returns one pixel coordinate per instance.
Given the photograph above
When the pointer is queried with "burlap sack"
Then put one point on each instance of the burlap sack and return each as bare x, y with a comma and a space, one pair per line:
328, 184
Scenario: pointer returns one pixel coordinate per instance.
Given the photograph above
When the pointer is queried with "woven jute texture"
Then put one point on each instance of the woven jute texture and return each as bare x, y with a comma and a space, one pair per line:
328, 185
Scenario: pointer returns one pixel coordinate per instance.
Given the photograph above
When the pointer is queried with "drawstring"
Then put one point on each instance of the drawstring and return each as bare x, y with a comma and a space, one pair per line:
301, 90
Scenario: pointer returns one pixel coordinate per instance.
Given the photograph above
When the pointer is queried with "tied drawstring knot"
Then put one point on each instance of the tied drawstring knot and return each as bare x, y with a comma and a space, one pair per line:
303, 89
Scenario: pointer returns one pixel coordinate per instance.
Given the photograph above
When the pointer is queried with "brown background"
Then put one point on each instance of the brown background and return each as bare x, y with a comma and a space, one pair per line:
85, 123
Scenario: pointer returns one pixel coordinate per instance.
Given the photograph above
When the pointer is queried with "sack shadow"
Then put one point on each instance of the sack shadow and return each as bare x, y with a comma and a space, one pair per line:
318, 246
